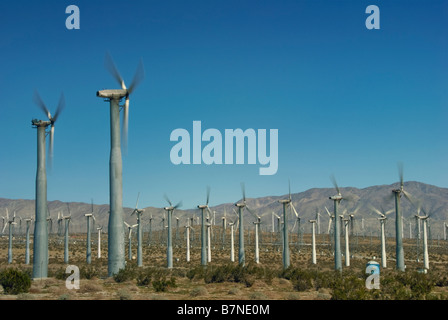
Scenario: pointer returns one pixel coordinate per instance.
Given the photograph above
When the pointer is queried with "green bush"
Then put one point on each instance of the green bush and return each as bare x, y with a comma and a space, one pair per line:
15, 281
161, 284
125, 274
88, 272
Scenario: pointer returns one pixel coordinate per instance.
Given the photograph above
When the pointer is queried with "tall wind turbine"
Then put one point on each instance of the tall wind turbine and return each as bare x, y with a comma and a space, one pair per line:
383, 217
169, 210
116, 251
337, 244
203, 230
40, 244
139, 213
399, 221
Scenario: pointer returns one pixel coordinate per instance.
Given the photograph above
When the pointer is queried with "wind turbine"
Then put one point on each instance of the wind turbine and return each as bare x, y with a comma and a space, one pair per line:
10, 224
241, 206
60, 219
100, 228
66, 220
425, 220
203, 231
313, 241
40, 244
257, 227
139, 213
224, 224
116, 251
337, 244
169, 210
285, 203
27, 247
398, 220
130, 238
346, 222
150, 230
187, 229
232, 242
383, 217
89, 244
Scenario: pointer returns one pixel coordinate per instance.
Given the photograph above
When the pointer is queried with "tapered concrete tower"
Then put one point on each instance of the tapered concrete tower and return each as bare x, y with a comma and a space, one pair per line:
116, 247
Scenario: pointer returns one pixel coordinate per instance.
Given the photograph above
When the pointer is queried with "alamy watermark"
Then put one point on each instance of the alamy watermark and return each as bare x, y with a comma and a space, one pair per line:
234, 143
373, 280
72, 282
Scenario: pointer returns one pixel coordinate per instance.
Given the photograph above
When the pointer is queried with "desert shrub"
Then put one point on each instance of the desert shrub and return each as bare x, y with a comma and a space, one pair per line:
60, 274
349, 287
88, 272
160, 284
198, 291
144, 279
125, 274
15, 281
124, 295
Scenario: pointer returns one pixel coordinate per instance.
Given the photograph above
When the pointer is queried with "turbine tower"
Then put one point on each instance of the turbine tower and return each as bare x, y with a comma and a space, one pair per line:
257, 249
99, 240
203, 231
130, 238
187, 229
169, 251
67, 223
10, 224
241, 206
27, 247
285, 203
40, 243
337, 244
399, 221
383, 217
89, 244
313, 241
139, 213
116, 251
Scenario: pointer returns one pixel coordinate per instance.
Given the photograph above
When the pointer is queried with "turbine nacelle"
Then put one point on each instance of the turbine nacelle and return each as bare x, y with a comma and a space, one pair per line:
40, 123
113, 94
336, 197
203, 206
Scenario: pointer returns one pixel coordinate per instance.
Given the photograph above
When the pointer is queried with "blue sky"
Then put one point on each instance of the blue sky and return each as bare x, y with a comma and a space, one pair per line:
346, 100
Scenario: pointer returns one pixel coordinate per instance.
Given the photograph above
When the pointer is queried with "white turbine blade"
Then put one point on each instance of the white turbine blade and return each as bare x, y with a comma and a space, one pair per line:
328, 211
294, 209
136, 204
127, 225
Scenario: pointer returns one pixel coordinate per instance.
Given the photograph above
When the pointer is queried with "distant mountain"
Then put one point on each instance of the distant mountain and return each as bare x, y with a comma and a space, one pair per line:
433, 199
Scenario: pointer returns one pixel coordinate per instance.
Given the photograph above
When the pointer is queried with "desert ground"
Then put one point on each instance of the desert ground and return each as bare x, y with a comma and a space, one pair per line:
265, 284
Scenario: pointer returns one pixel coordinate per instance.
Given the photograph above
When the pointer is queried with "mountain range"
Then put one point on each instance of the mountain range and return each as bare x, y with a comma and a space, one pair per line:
432, 199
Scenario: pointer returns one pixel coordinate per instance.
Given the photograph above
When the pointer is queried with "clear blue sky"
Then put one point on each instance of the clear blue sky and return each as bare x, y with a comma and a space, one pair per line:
346, 100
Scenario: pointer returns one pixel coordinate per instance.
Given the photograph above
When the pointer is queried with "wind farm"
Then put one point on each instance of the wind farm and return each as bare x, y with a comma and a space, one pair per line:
276, 94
